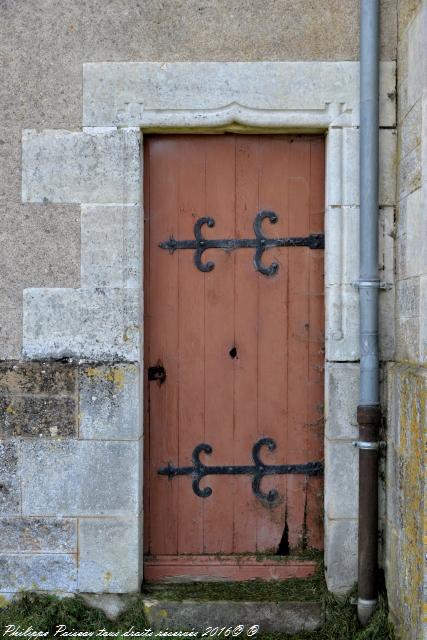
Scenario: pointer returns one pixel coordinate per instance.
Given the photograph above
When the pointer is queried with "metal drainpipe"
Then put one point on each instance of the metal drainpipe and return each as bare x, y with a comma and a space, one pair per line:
368, 411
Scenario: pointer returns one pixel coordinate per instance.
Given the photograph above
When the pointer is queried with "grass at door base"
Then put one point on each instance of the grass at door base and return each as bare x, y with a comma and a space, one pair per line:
44, 612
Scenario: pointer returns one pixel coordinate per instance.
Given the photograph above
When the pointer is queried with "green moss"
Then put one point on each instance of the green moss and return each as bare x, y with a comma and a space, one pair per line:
44, 612
293, 590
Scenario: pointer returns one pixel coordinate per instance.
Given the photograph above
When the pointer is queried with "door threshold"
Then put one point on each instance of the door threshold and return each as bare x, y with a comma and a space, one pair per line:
229, 568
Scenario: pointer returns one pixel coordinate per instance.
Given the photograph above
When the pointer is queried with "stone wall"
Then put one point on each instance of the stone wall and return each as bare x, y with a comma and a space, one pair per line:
69, 503
407, 378
44, 45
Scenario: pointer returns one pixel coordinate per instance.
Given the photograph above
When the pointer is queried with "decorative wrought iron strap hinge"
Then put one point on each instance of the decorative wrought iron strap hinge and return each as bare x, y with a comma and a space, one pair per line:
258, 470
260, 243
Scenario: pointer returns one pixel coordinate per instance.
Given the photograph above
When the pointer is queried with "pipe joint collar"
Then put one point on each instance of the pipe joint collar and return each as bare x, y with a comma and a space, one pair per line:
369, 415
365, 610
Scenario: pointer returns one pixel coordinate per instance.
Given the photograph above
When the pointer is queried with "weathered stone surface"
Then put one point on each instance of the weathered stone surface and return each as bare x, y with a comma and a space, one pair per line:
38, 399
109, 555
350, 168
341, 479
79, 478
112, 604
35, 416
406, 424
342, 320
341, 386
410, 130
111, 241
423, 316
408, 298
386, 253
416, 57
176, 94
342, 264
42, 572
10, 330
342, 273
407, 10
408, 339
109, 402
10, 490
410, 246
340, 554
36, 378
272, 617
409, 178
53, 535
65, 166
93, 324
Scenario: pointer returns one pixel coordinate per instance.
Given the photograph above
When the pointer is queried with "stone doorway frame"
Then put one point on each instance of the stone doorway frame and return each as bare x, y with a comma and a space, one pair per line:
99, 324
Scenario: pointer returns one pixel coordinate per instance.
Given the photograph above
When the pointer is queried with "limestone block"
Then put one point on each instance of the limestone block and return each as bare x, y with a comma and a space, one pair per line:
274, 617
65, 166
78, 478
341, 479
10, 490
410, 172
342, 273
217, 93
109, 402
423, 316
35, 416
388, 167
38, 378
109, 555
93, 324
37, 399
387, 173
342, 318
410, 237
350, 167
408, 298
416, 55
408, 339
342, 396
407, 386
386, 273
342, 245
334, 167
41, 572
53, 535
110, 246
340, 554
410, 130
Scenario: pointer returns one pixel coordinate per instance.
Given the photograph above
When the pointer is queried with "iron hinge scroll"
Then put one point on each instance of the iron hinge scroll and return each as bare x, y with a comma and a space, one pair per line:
258, 470
260, 243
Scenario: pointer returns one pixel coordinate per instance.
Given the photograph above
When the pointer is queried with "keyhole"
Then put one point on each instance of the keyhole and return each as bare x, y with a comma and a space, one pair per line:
233, 352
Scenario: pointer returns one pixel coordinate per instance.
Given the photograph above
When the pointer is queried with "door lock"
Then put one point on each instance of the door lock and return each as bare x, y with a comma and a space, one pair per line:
157, 372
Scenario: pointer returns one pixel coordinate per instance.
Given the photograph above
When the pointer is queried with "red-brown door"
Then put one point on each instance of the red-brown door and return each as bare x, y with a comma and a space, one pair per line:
233, 356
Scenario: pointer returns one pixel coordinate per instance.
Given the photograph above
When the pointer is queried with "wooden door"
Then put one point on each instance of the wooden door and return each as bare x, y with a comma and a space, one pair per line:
233, 356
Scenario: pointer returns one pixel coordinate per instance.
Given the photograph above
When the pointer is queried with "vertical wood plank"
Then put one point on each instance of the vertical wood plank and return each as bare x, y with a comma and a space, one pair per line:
191, 206
163, 312
246, 339
220, 338
273, 167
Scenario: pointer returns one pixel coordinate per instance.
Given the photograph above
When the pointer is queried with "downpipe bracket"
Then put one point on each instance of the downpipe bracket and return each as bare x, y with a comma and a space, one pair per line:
369, 446
372, 284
